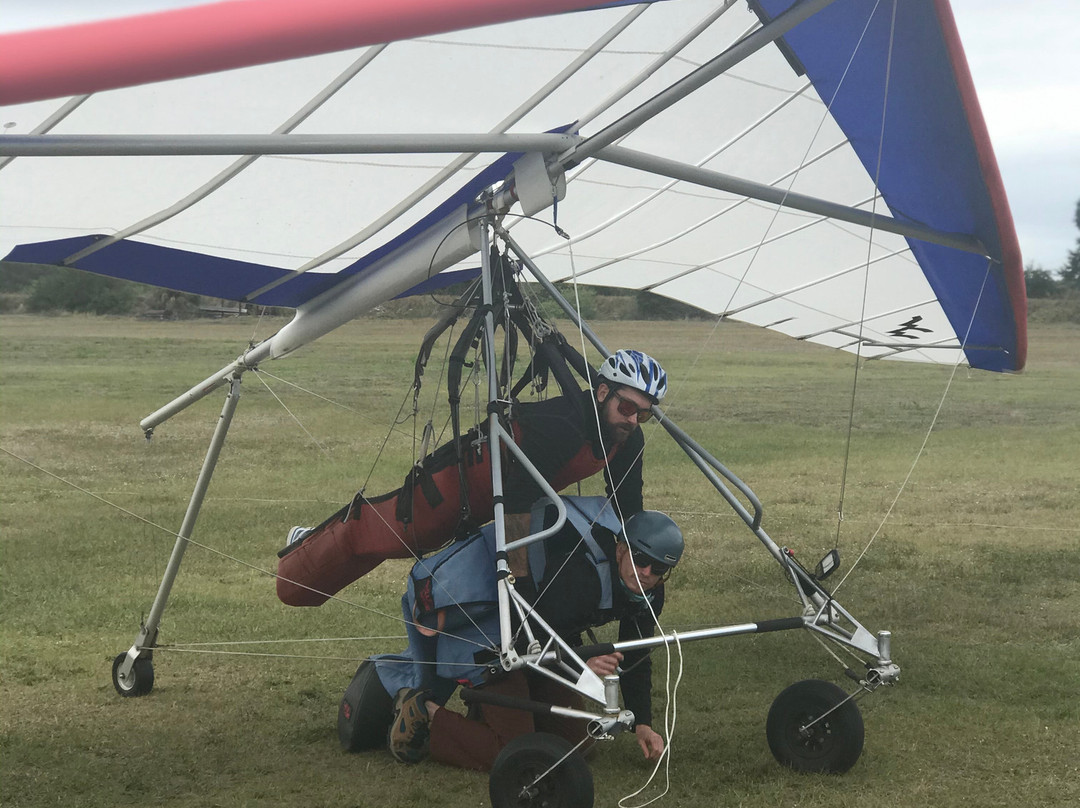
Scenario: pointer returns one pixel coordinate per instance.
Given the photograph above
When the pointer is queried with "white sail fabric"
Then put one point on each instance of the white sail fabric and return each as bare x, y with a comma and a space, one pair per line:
807, 275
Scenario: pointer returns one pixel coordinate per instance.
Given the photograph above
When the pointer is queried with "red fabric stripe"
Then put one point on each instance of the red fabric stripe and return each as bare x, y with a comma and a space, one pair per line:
76, 59
1011, 259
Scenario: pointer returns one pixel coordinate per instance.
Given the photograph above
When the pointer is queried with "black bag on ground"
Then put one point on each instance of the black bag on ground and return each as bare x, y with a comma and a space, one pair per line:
365, 712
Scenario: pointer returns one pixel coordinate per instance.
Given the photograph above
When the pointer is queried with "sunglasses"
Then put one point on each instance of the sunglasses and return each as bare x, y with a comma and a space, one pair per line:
626, 408
643, 562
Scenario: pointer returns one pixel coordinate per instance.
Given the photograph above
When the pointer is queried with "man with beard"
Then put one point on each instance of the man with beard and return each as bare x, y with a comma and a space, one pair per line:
568, 439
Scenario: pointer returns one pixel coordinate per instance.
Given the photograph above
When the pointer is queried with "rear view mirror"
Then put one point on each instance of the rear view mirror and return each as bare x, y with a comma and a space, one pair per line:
827, 565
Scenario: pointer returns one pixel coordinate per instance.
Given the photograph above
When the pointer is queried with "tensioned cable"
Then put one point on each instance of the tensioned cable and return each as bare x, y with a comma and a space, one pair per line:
926, 438
866, 281
459, 161
237, 166
756, 250
221, 554
776, 211
778, 208
299, 423
303, 640
671, 691
175, 649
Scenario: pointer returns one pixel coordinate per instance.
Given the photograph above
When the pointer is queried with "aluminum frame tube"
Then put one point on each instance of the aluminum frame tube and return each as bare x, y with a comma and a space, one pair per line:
148, 633
507, 652
706, 463
675, 637
178, 145
703, 75
496, 433
246, 361
673, 169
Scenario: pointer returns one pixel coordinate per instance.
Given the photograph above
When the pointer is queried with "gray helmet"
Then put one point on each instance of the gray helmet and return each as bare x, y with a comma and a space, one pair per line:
656, 535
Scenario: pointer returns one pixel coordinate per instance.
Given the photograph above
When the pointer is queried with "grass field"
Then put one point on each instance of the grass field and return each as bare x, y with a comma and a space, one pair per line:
975, 570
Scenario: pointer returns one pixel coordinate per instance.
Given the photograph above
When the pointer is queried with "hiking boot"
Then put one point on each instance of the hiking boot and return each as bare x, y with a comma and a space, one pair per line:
409, 731
297, 535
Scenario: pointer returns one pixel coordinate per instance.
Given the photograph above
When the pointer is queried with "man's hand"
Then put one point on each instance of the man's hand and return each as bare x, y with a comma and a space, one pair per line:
651, 743
605, 665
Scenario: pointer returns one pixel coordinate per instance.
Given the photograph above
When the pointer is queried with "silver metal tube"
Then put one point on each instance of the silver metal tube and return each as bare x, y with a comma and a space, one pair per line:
884, 644
700, 77
789, 199
705, 462
69, 106
237, 166
148, 632
207, 386
778, 196
669, 639
611, 693
173, 145
502, 567
545, 486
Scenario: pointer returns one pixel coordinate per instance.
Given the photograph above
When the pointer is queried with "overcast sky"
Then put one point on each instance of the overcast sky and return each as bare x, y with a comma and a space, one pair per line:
1023, 60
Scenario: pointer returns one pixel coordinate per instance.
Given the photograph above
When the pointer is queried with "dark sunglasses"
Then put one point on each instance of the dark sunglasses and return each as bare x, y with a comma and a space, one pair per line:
642, 562
626, 408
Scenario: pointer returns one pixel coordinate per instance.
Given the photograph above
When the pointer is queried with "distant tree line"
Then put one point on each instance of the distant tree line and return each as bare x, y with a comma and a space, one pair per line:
39, 289
1044, 283
35, 288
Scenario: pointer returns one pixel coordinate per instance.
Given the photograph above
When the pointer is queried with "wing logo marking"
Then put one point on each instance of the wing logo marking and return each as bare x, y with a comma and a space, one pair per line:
910, 325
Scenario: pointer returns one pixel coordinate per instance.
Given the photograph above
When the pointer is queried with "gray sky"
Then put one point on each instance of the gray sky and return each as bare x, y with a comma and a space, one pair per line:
1022, 60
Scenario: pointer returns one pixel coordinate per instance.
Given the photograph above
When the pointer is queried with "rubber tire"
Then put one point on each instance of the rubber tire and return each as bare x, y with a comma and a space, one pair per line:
528, 756
365, 722
139, 682
833, 745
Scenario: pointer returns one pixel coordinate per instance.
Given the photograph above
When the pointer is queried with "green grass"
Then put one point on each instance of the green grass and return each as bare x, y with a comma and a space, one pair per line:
976, 570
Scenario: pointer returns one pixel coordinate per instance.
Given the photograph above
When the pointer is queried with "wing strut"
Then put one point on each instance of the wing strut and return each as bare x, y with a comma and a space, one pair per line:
133, 671
778, 196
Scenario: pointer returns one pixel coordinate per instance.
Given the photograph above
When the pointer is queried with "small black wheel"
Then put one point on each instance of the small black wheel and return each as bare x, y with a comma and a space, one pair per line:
514, 784
138, 682
804, 738
366, 711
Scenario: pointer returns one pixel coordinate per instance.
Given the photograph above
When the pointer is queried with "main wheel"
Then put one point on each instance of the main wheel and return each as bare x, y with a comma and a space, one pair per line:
518, 778
807, 734
366, 711
138, 682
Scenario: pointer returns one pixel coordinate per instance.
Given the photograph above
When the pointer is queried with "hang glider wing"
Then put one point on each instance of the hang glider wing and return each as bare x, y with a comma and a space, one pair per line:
820, 168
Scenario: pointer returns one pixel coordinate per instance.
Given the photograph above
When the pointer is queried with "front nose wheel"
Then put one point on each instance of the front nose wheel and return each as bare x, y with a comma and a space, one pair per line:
523, 777
813, 726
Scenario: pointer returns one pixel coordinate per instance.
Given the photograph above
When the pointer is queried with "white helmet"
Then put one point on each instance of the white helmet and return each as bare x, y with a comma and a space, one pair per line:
637, 370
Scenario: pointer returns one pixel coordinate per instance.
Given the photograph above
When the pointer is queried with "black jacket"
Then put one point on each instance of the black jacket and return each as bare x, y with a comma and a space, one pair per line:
569, 600
553, 432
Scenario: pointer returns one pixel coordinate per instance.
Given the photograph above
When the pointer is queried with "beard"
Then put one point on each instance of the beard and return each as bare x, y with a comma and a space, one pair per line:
617, 433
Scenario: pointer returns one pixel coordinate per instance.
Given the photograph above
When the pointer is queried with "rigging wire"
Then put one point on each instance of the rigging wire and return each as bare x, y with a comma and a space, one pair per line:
220, 553
866, 280
792, 177
299, 423
671, 691
929, 431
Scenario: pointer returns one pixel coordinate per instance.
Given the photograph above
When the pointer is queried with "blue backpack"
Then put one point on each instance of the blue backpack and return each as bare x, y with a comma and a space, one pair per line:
450, 603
